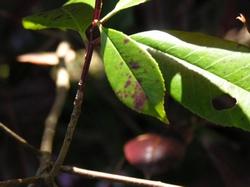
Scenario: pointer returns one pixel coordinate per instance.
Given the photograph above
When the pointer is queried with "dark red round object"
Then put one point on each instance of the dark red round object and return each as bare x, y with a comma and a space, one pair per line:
154, 154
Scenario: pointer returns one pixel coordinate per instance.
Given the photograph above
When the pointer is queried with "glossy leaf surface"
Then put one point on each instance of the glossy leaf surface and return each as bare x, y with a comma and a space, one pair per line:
133, 74
89, 2
75, 15
197, 76
202, 39
123, 4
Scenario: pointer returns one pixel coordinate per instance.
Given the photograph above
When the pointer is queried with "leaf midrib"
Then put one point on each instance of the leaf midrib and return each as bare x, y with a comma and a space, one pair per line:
206, 69
198, 69
73, 18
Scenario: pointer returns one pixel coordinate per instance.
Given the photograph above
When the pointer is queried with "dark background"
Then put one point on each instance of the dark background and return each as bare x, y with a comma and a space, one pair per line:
214, 156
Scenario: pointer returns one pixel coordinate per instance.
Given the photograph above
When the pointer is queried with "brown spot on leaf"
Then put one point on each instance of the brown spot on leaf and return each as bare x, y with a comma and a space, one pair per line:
127, 83
126, 40
135, 65
122, 94
139, 97
223, 102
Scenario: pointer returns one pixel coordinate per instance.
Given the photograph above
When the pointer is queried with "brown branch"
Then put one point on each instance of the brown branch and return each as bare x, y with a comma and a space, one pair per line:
79, 96
114, 178
16, 182
73, 121
19, 139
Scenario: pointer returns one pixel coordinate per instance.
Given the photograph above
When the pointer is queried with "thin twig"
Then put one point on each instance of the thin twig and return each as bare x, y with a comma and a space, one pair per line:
79, 96
62, 87
51, 121
114, 178
16, 182
19, 139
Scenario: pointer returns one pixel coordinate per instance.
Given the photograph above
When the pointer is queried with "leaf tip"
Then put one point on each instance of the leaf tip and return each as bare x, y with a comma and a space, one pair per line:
29, 24
164, 119
25, 23
161, 115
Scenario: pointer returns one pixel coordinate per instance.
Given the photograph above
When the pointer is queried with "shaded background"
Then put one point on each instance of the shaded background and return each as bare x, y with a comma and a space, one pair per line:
214, 156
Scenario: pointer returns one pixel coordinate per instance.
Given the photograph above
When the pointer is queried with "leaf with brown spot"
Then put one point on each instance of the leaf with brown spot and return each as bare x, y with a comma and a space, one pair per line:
125, 66
211, 82
135, 65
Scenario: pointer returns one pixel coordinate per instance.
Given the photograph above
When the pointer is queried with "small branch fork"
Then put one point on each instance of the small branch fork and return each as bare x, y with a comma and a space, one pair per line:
62, 86
91, 175
75, 171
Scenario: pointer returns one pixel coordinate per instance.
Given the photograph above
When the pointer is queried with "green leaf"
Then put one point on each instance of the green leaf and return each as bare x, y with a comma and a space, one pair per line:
133, 74
75, 15
208, 41
89, 2
121, 5
197, 76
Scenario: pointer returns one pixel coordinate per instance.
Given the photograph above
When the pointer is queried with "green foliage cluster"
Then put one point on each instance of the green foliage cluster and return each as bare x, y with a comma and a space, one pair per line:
196, 70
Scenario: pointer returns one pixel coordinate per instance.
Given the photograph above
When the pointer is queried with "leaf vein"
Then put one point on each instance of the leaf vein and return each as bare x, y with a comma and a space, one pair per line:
217, 61
73, 18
